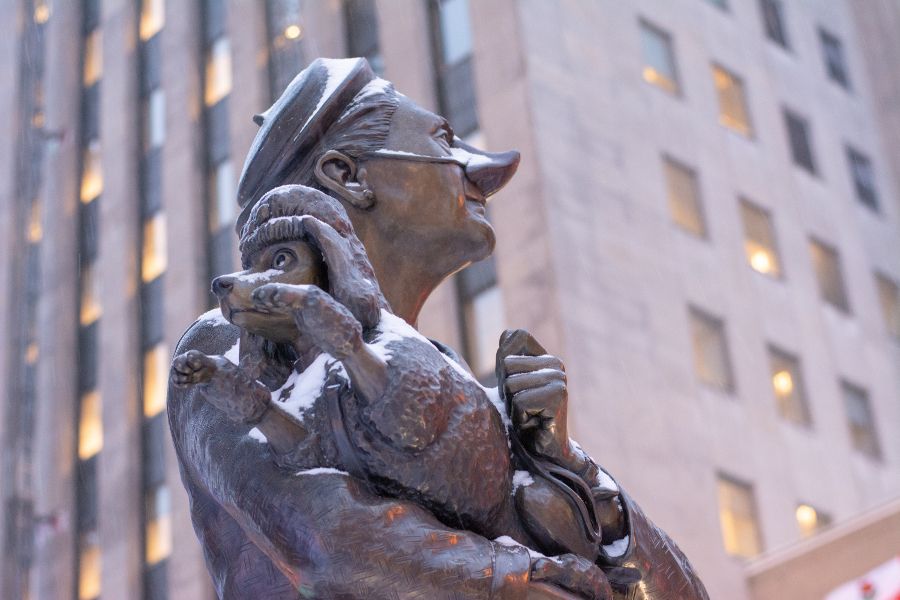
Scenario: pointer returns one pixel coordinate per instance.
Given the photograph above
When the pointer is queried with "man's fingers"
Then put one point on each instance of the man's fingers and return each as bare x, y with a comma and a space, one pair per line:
523, 364
540, 402
532, 379
335, 250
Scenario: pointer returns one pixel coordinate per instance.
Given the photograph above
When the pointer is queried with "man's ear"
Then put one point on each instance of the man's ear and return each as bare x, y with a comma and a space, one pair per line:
340, 174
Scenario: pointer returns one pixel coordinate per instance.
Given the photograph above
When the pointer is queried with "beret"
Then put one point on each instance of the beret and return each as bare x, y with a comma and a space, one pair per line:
296, 122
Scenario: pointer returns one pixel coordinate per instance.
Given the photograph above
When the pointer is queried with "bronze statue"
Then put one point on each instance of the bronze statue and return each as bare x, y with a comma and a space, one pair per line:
331, 451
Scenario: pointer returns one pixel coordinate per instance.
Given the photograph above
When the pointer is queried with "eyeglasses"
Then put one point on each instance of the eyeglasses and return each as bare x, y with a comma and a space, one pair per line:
411, 156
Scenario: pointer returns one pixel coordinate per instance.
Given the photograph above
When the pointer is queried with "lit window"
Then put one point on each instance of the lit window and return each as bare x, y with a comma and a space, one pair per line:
799, 139
41, 12
684, 197
159, 525
31, 353
90, 307
787, 384
222, 196
154, 119
810, 520
863, 177
156, 379
293, 32
737, 515
218, 71
835, 63
889, 294
90, 425
93, 57
153, 17
91, 172
153, 261
828, 273
485, 320
773, 19
659, 60
759, 240
456, 31
711, 361
35, 231
732, 102
89, 574
860, 420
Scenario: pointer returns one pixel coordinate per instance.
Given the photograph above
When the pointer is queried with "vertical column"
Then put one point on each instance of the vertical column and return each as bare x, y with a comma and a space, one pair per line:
154, 351
286, 32
26, 235
89, 411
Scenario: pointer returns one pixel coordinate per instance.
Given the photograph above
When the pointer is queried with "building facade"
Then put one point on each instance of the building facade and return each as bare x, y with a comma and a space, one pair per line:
705, 226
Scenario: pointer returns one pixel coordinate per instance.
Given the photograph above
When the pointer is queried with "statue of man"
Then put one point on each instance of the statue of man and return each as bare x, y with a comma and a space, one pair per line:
415, 195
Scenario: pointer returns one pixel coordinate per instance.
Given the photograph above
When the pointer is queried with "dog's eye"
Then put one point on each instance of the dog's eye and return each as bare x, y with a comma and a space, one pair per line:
282, 259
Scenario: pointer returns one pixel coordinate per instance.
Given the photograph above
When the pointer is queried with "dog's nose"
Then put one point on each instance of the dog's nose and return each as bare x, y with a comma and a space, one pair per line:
222, 285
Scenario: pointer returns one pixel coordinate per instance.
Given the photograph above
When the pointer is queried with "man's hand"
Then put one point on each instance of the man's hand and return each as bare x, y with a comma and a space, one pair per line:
534, 384
572, 573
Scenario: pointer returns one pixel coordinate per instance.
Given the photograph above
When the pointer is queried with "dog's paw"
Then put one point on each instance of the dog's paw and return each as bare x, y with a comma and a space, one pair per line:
193, 367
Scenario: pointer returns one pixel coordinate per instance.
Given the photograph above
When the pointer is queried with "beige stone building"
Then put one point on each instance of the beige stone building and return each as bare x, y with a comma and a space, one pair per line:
705, 226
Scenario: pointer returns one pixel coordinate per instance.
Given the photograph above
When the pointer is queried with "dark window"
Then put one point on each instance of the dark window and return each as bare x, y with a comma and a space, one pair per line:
86, 490
863, 177
799, 139
712, 363
150, 64
723, 4
217, 138
827, 266
151, 183
835, 63
87, 357
155, 437
214, 18
156, 581
88, 214
683, 189
91, 14
90, 112
152, 312
889, 295
220, 248
773, 19
455, 74
860, 420
361, 20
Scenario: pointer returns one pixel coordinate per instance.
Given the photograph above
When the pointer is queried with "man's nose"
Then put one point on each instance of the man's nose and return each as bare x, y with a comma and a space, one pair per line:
222, 285
490, 171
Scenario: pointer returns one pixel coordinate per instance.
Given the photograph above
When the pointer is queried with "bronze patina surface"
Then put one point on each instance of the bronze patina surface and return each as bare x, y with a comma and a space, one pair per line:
329, 450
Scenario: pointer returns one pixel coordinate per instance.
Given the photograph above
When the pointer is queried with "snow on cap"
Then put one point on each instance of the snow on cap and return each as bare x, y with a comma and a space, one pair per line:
296, 122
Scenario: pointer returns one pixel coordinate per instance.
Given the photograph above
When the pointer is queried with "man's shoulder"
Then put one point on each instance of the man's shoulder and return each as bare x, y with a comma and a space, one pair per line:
211, 333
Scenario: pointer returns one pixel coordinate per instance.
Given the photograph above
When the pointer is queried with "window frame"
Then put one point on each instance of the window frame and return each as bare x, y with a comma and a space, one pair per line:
832, 48
867, 195
737, 83
729, 386
803, 125
648, 27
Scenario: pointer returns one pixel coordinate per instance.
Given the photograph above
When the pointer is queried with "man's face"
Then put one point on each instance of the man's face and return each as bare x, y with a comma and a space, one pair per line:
433, 206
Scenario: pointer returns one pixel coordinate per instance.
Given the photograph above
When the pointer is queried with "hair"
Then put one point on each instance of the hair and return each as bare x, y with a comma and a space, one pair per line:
363, 127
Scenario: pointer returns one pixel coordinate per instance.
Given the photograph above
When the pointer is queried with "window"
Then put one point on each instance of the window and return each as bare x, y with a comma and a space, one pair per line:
659, 60
773, 20
711, 361
90, 307
159, 525
759, 240
863, 177
889, 295
361, 19
684, 197
90, 425
93, 58
455, 74
89, 573
35, 230
156, 379
732, 101
737, 516
860, 420
153, 17
787, 385
833, 53
810, 520
222, 195
153, 261
828, 273
218, 71
485, 321
723, 4
799, 139
91, 172
154, 116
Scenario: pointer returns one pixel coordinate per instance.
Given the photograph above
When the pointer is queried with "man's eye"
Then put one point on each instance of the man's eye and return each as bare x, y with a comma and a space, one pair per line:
282, 259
